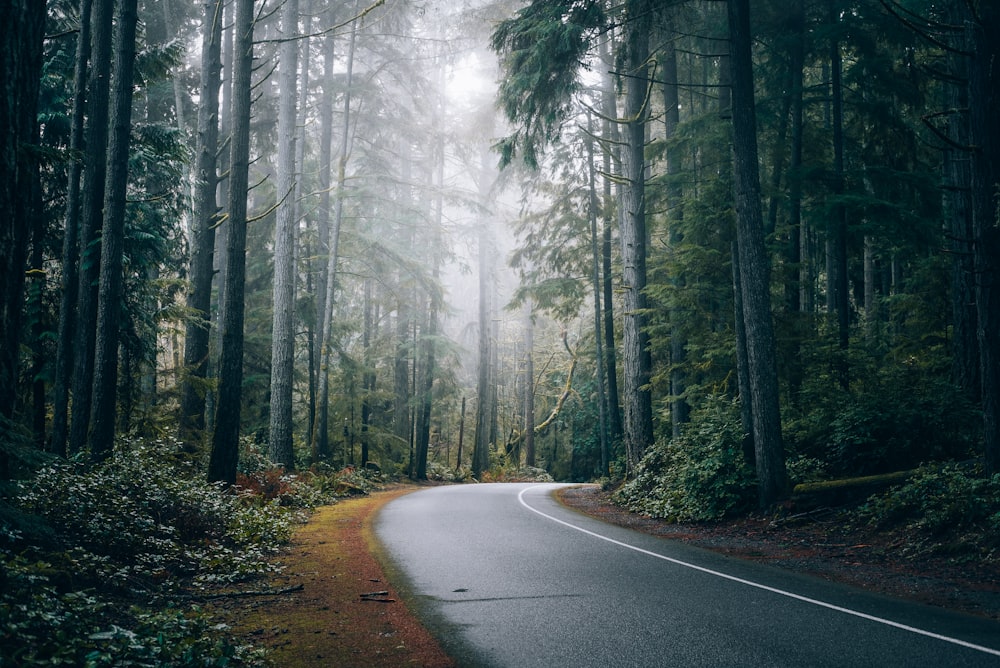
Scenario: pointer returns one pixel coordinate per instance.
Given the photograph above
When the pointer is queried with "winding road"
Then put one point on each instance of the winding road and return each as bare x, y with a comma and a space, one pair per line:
506, 576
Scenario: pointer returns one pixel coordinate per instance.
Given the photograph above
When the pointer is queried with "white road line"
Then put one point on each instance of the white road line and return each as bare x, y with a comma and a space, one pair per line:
750, 583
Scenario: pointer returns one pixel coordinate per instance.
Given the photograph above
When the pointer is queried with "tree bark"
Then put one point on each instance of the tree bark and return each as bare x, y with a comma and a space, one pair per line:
529, 385
63, 375
754, 268
984, 98
595, 276
191, 421
323, 383
637, 363
367, 371
225, 439
111, 280
485, 381
838, 224
680, 410
94, 180
608, 131
283, 322
319, 440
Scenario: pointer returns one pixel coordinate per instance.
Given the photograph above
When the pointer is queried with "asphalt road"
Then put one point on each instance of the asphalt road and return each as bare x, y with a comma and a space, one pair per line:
506, 576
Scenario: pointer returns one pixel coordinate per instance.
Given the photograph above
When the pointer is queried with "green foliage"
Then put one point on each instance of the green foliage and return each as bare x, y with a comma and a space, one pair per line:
697, 477
938, 499
142, 526
541, 50
897, 416
951, 508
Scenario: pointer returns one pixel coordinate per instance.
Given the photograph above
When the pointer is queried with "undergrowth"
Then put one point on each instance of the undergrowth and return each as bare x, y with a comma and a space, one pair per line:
951, 510
105, 564
698, 476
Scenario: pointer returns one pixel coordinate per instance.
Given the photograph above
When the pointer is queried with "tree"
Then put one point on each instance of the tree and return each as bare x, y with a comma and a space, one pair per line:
110, 285
636, 359
191, 421
20, 70
485, 383
283, 330
225, 437
319, 433
94, 180
71, 245
984, 96
754, 267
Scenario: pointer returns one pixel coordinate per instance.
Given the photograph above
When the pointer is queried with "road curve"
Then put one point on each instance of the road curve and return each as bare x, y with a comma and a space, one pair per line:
506, 576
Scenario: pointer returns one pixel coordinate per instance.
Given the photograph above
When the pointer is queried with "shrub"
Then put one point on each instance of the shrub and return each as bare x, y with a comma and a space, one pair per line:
938, 500
139, 527
699, 476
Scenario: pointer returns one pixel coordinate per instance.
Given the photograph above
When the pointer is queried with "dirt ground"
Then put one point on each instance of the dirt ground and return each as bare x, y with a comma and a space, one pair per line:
339, 609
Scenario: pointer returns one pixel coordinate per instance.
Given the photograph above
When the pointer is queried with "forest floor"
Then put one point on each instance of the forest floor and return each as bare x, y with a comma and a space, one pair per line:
338, 608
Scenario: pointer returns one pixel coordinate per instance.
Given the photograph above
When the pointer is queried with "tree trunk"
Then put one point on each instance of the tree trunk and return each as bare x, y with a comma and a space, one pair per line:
984, 98
23, 24
680, 411
958, 211
367, 371
595, 274
529, 385
94, 178
754, 270
485, 381
225, 439
461, 436
425, 395
320, 432
742, 361
111, 281
839, 222
320, 440
609, 155
637, 362
70, 282
191, 421
797, 282
283, 322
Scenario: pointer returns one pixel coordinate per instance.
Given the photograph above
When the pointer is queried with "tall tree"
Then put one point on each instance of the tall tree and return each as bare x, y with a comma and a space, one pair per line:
225, 438
191, 421
838, 222
110, 283
485, 383
94, 180
984, 96
595, 274
71, 244
20, 72
680, 411
319, 441
283, 326
754, 266
323, 383
636, 359
609, 134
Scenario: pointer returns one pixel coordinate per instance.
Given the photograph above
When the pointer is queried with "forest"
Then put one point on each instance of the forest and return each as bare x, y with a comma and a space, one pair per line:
255, 253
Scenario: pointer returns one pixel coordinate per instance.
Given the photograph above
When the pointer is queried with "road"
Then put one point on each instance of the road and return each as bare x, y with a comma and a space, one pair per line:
506, 576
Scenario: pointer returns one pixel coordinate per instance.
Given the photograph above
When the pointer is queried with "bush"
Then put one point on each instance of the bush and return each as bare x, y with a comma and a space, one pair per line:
128, 536
897, 416
937, 501
699, 476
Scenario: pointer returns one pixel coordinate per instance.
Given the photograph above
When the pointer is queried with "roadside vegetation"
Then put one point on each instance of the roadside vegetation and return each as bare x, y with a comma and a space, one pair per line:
111, 564
897, 457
